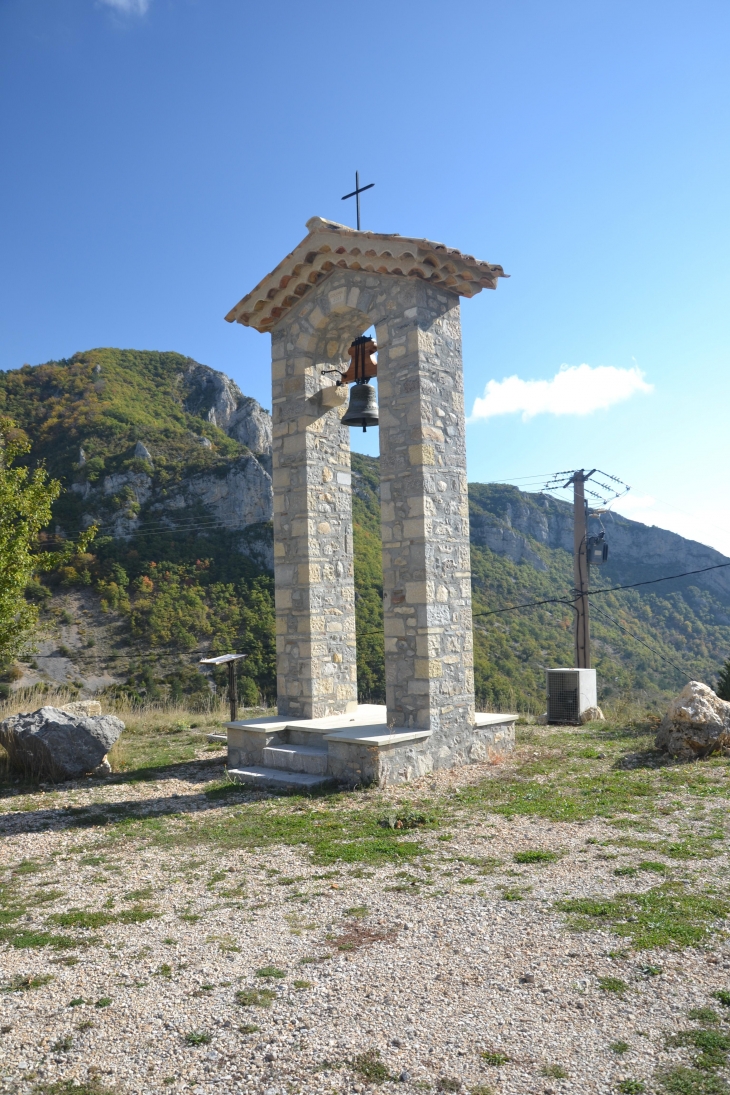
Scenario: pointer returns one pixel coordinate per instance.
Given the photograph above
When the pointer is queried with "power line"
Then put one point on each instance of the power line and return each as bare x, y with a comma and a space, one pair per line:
602, 612
653, 581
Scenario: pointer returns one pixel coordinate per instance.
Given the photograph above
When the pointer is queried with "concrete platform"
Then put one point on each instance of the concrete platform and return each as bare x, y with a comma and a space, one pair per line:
278, 779
355, 748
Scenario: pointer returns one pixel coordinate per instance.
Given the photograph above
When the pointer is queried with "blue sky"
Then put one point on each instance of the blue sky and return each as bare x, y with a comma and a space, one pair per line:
160, 156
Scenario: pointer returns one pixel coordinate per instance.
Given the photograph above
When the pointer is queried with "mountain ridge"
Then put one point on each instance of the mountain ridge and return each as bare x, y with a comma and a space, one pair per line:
172, 462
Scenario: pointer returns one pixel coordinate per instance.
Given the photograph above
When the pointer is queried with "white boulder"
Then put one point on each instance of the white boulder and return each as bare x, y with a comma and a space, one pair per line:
696, 724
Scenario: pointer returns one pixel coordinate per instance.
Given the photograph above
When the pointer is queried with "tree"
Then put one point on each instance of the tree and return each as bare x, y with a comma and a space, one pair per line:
723, 682
26, 498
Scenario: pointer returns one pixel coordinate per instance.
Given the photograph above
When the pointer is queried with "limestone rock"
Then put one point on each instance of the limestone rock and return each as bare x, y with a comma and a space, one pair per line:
696, 724
52, 744
142, 452
592, 714
81, 708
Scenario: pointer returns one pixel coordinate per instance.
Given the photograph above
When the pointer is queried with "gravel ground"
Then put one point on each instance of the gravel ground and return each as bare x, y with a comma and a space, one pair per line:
422, 969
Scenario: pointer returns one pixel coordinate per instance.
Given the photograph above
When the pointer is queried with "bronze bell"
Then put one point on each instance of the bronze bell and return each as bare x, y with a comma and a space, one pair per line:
363, 407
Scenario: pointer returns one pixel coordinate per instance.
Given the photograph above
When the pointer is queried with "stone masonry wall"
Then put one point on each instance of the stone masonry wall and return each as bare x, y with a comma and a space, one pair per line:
427, 597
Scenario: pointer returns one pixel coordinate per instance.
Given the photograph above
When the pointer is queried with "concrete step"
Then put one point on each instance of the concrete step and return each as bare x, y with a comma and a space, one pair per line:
296, 758
277, 779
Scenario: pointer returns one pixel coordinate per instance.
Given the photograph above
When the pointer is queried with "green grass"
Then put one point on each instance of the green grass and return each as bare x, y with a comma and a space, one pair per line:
554, 1072
494, 1058
69, 1087
688, 1081
613, 984
535, 855
631, 1087
21, 983
270, 971
370, 1067
619, 1047
255, 998
197, 1038
667, 915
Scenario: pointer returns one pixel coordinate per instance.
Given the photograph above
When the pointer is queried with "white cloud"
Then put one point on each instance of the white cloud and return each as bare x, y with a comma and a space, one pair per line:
575, 389
129, 7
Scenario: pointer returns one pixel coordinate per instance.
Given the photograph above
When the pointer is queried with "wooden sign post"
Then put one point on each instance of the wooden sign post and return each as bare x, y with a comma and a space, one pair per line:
229, 660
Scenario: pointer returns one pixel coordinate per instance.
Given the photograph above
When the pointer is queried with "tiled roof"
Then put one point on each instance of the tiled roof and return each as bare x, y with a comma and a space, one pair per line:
330, 246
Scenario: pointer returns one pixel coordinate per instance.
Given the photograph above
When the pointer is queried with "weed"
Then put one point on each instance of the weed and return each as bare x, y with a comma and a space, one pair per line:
69, 1087
255, 998
103, 1002
22, 984
631, 1087
535, 855
164, 970
612, 984
620, 1047
302, 984
85, 1025
30, 940
481, 1089
706, 1016
651, 971
197, 1038
512, 895
554, 1072
688, 1081
189, 918
713, 1046
249, 1028
494, 1058
660, 917
63, 1044
370, 1067
77, 1002
652, 865
468, 881
358, 911
723, 997
270, 971
446, 1083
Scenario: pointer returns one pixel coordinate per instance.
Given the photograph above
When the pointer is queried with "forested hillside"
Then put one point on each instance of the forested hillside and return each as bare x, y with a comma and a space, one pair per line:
171, 462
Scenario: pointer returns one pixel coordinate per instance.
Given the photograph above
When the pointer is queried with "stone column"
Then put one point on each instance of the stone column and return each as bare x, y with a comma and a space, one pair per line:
425, 516
313, 561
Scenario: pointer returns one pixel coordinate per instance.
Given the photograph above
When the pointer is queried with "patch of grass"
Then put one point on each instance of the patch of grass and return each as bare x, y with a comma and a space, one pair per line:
140, 895
613, 984
688, 1081
370, 1067
481, 1089
103, 1002
535, 855
512, 895
712, 1046
87, 919
21, 983
619, 1047
494, 1058
631, 1087
77, 1002
270, 971
447, 1083
249, 1028
164, 970
723, 996
707, 1016
30, 939
666, 915
68, 1087
554, 1072
302, 984
63, 1044
197, 1038
358, 911
255, 998
189, 918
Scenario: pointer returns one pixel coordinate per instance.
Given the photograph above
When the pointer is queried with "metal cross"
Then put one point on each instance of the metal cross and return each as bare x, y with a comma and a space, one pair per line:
356, 195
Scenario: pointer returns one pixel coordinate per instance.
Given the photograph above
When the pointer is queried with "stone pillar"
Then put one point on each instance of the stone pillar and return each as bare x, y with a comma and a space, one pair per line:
313, 561
425, 515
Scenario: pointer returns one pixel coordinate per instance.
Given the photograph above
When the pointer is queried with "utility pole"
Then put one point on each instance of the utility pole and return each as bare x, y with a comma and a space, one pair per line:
580, 569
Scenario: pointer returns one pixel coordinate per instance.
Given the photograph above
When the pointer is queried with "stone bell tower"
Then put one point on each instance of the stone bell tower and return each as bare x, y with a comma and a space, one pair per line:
335, 285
